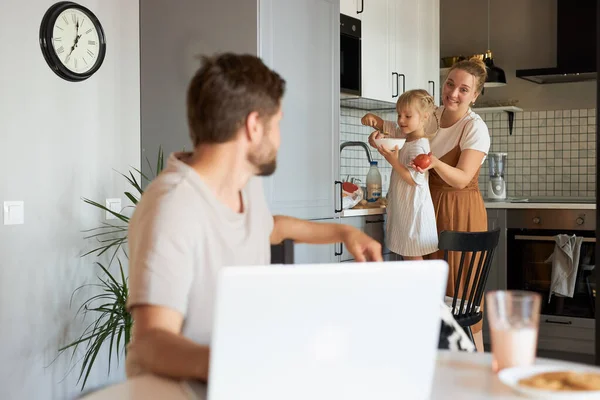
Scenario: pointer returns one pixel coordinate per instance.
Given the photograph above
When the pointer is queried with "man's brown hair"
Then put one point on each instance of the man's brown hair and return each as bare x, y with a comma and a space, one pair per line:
225, 90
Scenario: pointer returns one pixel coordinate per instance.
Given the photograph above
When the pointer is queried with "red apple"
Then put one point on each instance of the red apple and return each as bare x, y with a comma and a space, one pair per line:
422, 161
349, 187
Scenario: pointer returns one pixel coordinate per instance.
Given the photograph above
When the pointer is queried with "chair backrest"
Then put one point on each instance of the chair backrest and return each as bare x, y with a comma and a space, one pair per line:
476, 254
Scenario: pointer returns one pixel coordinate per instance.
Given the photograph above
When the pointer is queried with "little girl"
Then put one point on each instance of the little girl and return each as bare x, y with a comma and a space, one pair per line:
411, 228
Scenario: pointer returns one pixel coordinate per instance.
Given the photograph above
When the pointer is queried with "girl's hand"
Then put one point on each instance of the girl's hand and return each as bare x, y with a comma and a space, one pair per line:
391, 156
433, 164
372, 137
372, 120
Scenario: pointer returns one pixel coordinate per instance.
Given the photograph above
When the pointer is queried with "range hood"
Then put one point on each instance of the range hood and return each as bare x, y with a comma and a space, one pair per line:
575, 45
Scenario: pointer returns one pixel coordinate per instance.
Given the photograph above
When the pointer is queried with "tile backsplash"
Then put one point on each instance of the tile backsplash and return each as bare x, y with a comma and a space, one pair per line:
353, 160
550, 153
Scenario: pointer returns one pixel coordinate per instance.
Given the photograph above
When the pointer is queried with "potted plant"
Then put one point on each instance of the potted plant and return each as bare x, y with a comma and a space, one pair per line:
111, 322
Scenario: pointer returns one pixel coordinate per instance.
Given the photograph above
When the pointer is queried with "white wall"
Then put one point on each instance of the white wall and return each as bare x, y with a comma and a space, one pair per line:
171, 40
59, 141
522, 36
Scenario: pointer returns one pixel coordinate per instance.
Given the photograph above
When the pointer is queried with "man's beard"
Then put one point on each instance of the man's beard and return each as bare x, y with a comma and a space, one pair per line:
264, 168
268, 168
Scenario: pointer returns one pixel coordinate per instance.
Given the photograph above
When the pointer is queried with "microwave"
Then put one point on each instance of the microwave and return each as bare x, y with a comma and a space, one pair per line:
350, 55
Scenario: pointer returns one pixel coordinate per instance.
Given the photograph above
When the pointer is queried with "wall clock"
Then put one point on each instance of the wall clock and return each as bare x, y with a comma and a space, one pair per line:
72, 41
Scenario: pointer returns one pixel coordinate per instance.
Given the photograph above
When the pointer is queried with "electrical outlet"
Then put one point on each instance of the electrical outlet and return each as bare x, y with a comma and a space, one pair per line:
14, 212
113, 205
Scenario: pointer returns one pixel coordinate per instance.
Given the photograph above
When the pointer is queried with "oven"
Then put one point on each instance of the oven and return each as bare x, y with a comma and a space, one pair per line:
566, 324
350, 55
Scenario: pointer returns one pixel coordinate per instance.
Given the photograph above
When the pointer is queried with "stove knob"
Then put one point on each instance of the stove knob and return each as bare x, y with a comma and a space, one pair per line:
579, 221
536, 220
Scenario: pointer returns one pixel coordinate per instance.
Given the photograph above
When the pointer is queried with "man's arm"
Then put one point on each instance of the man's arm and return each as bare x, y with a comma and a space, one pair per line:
359, 244
158, 347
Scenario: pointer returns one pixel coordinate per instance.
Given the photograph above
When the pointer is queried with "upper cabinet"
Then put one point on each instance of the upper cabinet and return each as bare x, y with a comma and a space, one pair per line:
301, 41
377, 43
352, 8
429, 47
400, 46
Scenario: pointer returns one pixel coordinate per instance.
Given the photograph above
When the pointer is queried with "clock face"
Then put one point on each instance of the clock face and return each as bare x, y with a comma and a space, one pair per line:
72, 41
75, 40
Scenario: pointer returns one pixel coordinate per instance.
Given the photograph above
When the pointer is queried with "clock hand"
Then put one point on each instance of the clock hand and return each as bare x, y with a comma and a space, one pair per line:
76, 38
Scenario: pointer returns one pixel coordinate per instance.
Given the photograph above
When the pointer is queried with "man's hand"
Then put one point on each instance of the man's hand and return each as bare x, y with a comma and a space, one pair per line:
361, 246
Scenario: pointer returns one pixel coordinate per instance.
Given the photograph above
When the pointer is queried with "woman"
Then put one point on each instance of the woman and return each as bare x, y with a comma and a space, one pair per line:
458, 151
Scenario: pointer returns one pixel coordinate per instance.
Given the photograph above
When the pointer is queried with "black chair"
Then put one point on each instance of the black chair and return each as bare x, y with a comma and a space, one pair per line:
476, 254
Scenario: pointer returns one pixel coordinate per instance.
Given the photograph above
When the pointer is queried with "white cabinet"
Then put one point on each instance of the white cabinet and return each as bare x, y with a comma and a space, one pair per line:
376, 55
318, 253
300, 40
352, 8
372, 225
405, 62
400, 48
429, 48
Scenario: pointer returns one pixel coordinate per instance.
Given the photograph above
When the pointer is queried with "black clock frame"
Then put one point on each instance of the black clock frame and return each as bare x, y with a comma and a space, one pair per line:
47, 32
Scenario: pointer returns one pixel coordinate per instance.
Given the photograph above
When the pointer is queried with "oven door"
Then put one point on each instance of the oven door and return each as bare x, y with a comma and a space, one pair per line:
350, 55
530, 268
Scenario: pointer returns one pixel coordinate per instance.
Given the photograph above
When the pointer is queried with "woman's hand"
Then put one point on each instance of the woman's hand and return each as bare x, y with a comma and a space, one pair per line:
433, 164
372, 120
391, 156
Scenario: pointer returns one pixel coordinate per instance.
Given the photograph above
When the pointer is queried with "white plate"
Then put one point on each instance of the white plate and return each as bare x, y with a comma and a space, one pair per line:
390, 143
512, 376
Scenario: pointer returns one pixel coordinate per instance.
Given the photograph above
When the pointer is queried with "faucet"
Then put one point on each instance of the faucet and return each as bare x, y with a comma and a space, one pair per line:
360, 144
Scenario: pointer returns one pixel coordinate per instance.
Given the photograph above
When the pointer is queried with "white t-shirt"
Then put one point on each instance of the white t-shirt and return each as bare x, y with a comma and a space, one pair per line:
180, 235
476, 134
475, 137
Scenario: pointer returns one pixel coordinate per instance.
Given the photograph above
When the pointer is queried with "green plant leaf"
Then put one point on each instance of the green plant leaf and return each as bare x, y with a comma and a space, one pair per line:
100, 206
132, 198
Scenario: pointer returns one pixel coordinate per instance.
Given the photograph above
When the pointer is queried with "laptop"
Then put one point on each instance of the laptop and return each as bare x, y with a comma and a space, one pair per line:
352, 331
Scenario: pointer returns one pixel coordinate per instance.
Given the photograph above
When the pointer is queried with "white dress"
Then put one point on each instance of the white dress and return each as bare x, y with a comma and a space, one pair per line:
411, 229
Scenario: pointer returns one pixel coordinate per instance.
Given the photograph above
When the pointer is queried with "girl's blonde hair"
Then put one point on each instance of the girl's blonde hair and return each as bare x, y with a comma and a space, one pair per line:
474, 66
423, 102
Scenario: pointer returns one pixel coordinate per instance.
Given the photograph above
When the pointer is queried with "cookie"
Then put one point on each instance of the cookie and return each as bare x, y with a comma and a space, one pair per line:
584, 381
563, 380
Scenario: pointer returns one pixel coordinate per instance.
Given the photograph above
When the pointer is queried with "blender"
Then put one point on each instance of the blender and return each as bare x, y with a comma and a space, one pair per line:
497, 184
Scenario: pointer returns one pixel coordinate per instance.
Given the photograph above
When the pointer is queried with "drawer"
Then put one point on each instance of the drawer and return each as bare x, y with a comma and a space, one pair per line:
372, 225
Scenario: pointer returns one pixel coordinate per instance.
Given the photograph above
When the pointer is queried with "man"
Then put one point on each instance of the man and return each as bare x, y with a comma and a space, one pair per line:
207, 210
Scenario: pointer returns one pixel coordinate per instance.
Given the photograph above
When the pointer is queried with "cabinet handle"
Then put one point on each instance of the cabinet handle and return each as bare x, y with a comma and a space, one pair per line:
362, 7
433, 89
403, 82
341, 250
374, 222
394, 74
549, 321
341, 197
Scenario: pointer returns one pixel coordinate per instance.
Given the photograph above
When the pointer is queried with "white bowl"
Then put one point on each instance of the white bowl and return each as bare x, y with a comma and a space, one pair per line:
390, 143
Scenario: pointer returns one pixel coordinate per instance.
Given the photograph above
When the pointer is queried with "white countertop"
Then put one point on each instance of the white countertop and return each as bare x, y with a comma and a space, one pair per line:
361, 212
548, 203
458, 375
514, 204
537, 206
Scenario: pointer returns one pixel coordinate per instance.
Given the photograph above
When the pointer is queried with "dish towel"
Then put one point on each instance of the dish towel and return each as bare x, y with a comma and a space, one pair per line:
565, 262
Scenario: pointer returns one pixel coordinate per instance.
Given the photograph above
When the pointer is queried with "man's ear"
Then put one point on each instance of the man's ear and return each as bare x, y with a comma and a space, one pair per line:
254, 129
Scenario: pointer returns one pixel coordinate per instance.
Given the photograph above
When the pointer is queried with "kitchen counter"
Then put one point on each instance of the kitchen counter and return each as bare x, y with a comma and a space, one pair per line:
515, 204
543, 203
361, 212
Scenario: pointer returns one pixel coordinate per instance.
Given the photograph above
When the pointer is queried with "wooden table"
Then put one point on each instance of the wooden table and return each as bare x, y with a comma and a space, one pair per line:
458, 375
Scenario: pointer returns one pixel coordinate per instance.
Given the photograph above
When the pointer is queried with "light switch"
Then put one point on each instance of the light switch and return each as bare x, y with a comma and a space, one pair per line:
14, 212
113, 205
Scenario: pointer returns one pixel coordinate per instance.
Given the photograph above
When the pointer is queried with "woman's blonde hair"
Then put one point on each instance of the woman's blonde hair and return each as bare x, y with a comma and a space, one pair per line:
474, 66
422, 101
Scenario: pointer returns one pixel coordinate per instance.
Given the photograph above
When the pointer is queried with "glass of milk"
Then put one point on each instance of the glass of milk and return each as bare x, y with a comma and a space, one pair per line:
514, 318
